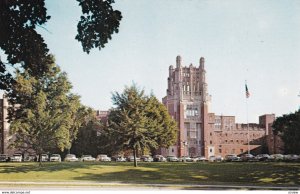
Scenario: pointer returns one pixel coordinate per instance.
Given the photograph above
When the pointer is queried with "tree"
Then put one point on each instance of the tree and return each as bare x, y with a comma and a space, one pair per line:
87, 140
23, 45
166, 127
288, 128
137, 124
42, 112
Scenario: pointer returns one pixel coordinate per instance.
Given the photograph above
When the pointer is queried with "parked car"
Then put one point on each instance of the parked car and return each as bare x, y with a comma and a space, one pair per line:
291, 158
146, 158
4, 158
120, 159
276, 157
131, 159
16, 158
232, 158
215, 159
262, 157
200, 159
44, 158
87, 158
55, 158
70, 158
103, 158
185, 159
172, 159
247, 157
159, 158
30, 158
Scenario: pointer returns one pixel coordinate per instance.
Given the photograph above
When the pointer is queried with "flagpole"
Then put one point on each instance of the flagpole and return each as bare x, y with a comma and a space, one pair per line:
247, 117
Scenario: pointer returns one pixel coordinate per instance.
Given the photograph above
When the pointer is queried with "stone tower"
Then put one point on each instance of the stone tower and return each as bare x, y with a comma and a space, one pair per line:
187, 101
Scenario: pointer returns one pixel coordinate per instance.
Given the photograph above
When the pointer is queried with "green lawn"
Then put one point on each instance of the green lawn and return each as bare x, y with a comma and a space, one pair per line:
264, 174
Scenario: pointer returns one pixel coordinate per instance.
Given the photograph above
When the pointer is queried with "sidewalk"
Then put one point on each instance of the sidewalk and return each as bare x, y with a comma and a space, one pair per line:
116, 185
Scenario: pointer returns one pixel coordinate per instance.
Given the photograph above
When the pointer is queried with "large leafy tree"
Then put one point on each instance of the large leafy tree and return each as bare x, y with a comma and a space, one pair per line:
23, 45
43, 111
139, 122
87, 140
288, 128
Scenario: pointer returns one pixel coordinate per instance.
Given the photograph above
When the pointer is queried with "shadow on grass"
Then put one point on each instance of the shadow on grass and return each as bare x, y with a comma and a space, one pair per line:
46, 167
259, 174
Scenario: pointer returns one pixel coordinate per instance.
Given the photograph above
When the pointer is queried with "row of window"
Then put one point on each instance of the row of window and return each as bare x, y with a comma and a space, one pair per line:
191, 111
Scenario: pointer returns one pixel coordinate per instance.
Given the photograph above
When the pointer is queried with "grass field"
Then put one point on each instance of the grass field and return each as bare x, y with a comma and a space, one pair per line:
260, 174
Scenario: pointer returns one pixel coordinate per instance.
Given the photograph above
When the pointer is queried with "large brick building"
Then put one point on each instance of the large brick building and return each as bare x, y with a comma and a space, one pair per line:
201, 132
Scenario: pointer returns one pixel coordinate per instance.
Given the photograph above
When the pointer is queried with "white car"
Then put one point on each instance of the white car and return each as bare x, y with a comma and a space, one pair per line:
70, 158
186, 159
215, 159
120, 159
172, 159
103, 158
159, 158
87, 158
146, 158
16, 158
131, 159
291, 157
200, 159
45, 158
55, 158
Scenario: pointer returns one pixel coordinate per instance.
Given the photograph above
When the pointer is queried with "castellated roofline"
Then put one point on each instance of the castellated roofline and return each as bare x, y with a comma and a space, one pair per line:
179, 63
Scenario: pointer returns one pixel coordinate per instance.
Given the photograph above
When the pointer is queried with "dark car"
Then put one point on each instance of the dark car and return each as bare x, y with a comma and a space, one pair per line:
247, 157
4, 158
232, 158
159, 158
263, 157
30, 158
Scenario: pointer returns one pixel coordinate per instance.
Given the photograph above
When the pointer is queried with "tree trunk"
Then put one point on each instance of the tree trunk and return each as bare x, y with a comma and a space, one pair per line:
134, 157
40, 159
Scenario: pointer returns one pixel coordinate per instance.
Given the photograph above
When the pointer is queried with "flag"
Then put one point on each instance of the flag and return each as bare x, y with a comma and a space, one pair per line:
247, 92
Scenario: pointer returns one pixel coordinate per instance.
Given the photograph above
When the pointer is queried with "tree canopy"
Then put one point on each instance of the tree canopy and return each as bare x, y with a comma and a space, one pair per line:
140, 122
288, 128
44, 114
23, 45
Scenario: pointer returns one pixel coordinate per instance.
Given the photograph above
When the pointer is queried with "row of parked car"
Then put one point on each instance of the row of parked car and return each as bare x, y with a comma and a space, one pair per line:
242, 158
146, 158
51, 158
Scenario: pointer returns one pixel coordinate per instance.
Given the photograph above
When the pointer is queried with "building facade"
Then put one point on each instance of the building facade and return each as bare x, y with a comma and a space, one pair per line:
202, 133
4, 128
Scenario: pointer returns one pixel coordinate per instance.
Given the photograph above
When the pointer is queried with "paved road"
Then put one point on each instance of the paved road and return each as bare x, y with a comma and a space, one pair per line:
127, 186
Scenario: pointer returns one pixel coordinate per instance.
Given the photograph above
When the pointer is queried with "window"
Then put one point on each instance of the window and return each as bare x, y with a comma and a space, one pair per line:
210, 150
210, 142
220, 150
242, 150
191, 111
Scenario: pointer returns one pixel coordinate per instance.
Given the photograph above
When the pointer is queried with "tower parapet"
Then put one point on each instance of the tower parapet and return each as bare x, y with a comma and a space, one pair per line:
201, 63
178, 61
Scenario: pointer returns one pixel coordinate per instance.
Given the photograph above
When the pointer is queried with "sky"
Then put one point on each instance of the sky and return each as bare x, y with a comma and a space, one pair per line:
257, 41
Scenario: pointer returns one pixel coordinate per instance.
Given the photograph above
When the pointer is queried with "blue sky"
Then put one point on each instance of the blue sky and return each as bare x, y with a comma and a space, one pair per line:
256, 40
